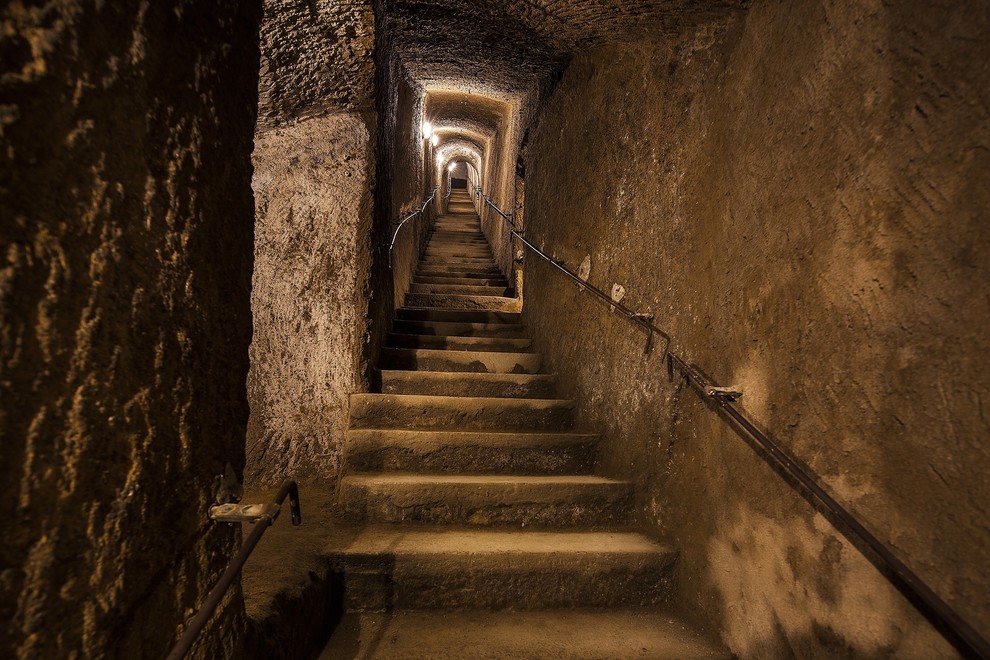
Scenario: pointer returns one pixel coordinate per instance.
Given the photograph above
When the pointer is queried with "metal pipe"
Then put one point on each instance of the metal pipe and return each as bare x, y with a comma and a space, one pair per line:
216, 594
943, 617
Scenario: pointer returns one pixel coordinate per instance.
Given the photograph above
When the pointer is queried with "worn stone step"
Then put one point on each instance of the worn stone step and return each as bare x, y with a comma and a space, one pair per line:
462, 289
454, 271
408, 411
434, 254
445, 246
457, 247
398, 567
470, 452
500, 344
458, 232
467, 238
453, 383
451, 278
434, 260
535, 635
458, 221
440, 240
451, 329
430, 359
487, 500
456, 315
454, 301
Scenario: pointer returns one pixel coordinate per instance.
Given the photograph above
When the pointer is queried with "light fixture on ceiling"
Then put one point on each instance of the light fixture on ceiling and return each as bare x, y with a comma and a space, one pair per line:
434, 140
427, 129
452, 166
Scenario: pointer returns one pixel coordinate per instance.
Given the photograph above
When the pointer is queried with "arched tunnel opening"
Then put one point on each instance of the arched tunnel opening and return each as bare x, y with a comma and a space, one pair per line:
587, 329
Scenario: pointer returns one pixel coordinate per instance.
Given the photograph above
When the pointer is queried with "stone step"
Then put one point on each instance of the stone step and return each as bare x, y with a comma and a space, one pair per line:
429, 359
458, 243
453, 383
461, 413
450, 278
456, 315
458, 220
458, 230
462, 289
435, 260
454, 244
499, 344
486, 500
457, 253
454, 301
398, 567
462, 271
467, 452
484, 635
451, 329
458, 239
476, 243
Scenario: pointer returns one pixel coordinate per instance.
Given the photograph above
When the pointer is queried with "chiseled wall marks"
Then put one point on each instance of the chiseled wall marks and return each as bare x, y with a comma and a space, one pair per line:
799, 196
314, 184
313, 194
125, 229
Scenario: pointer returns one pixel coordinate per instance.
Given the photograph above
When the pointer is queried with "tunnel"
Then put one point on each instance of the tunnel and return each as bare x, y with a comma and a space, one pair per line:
583, 329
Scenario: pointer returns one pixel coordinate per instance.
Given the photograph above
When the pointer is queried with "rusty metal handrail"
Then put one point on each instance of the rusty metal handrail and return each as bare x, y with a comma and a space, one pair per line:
264, 518
408, 217
941, 615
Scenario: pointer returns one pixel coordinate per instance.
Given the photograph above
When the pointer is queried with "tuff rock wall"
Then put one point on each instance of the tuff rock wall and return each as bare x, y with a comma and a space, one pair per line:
314, 183
126, 231
799, 196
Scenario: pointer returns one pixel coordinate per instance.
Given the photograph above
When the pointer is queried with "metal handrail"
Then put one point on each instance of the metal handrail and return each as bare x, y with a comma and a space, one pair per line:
411, 215
940, 614
263, 519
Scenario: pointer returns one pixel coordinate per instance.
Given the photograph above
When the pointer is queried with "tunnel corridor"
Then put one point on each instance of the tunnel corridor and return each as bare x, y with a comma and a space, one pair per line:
587, 328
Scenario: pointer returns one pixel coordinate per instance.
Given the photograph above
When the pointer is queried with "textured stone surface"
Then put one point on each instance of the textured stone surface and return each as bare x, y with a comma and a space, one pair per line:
800, 199
316, 58
313, 192
566, 634
125, 226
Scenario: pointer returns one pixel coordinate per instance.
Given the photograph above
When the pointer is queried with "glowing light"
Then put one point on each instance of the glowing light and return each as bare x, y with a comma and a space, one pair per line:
452, 166
427, 129
434, 140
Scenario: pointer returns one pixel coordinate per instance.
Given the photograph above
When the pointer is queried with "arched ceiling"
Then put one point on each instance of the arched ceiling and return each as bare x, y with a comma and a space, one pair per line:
484, 65
507, 49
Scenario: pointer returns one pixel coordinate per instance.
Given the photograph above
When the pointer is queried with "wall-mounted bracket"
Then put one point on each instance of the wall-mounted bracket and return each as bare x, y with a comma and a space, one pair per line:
725, 393
241, 513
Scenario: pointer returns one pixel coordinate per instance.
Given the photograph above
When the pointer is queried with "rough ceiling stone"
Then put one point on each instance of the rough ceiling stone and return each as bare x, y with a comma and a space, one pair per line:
510, 48
316, 57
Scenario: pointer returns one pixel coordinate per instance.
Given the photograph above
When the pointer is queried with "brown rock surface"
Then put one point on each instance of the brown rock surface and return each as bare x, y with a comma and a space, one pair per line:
125, 226
800, 199
313, 193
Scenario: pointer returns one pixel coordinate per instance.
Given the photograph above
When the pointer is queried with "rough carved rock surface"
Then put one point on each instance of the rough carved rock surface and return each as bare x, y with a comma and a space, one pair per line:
316, 58
802, 206
125, 226
312, 185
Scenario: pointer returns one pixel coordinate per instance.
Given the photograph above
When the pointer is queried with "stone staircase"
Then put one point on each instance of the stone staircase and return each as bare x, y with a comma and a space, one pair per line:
486, 533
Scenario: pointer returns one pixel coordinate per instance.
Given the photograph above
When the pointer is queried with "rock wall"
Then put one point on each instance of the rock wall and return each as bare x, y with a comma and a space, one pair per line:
799, 196
126, 231
313, 186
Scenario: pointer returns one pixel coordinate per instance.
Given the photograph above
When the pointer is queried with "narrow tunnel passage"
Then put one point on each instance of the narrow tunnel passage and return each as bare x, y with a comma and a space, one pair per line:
357, 245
